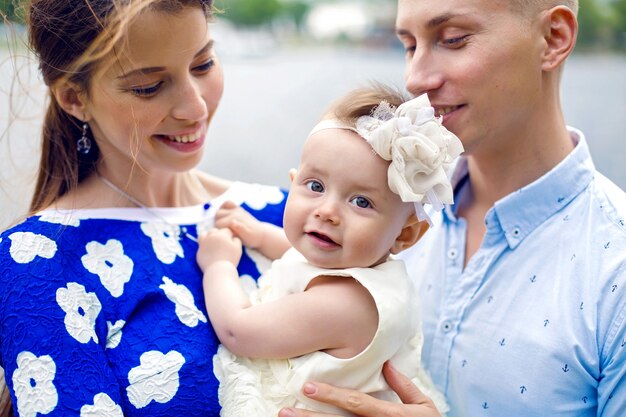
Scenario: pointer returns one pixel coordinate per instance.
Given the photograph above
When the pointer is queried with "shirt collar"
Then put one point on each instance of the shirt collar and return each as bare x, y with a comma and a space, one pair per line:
522, 211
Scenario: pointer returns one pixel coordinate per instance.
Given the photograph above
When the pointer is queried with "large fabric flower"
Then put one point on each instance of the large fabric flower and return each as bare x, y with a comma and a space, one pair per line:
165, 241
33, 384
81, 309
185, 306
109, 262
420, 148
26, 246
155, 379
103, 406
114, 333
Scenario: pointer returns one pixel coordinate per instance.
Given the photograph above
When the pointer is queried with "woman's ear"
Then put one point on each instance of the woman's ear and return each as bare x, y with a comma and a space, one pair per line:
71, 100
560, 29
412, 231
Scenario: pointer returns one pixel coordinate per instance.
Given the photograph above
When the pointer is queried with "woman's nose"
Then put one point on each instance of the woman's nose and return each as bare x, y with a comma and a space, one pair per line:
190, 104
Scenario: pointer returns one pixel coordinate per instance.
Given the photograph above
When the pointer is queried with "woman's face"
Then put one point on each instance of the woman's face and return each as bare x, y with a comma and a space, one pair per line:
153, 105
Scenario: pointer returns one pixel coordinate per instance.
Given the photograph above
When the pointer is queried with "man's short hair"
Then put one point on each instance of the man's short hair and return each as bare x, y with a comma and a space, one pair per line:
527, 6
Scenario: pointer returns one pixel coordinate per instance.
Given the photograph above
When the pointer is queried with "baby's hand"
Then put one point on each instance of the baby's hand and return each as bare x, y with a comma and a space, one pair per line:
241, 223
218, 245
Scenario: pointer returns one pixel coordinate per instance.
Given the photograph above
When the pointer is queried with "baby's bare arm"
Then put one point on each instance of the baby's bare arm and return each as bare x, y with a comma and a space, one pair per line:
267, 238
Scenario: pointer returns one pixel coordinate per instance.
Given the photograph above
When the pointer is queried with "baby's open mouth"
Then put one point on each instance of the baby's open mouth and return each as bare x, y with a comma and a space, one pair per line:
322, 237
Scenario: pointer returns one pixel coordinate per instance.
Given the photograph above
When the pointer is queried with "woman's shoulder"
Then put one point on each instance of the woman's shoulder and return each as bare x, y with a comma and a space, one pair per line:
214, 186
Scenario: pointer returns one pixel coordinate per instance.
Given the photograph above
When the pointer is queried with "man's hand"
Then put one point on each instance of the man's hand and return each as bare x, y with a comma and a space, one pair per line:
414, 403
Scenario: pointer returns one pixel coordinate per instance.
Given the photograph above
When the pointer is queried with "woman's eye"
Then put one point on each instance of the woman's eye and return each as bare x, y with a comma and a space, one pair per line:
206, 66
361, 202
315, 186
147, 91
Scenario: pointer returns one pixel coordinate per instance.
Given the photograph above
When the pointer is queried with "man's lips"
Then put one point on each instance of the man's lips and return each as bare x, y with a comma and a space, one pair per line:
445, 110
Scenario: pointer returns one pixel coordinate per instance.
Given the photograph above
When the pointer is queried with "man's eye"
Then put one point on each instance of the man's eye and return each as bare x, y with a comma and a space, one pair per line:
361, 202
456, 41
315, 186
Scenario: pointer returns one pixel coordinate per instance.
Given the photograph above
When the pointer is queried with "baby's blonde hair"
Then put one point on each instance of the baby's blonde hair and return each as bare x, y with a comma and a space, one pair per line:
362, 102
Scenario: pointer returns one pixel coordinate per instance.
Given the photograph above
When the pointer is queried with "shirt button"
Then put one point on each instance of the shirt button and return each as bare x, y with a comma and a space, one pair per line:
446, 326
516, 232
453, 253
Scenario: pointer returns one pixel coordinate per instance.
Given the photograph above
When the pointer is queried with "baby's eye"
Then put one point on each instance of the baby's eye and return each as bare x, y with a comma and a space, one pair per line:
361, 202
315, 186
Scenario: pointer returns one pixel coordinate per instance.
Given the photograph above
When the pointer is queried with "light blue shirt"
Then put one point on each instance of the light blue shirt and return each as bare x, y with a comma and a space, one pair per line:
535, 323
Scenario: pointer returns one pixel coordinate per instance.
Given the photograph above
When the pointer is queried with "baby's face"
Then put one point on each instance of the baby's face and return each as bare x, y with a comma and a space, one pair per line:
340, 212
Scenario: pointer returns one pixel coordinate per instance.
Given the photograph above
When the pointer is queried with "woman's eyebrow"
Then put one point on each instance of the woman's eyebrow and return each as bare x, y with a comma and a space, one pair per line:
150, 70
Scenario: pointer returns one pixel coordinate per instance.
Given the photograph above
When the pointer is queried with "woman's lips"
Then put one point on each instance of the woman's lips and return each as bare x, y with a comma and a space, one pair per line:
188, 142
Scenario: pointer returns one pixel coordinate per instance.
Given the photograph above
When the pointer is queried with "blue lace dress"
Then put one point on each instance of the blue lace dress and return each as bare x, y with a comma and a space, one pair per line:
105, 316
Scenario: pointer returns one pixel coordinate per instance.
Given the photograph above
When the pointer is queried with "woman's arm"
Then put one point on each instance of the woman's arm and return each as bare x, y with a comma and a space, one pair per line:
290, 326
52, 335
414, 402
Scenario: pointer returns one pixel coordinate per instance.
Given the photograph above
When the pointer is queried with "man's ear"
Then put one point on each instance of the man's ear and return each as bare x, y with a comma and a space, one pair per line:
71, 100
560, 29
412, 231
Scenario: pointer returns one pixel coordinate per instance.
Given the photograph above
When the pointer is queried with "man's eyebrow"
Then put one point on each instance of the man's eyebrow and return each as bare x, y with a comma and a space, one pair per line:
431, 24
149, 70
439, 20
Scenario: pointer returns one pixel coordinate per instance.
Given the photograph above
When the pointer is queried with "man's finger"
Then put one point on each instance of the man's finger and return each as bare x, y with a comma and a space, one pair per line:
403, 386
354, 401
298, 412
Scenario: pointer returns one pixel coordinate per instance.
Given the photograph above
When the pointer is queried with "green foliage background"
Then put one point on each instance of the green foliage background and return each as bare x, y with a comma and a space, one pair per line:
601, 22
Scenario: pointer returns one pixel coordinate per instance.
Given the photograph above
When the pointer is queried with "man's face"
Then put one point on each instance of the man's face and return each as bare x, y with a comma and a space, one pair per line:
479, 62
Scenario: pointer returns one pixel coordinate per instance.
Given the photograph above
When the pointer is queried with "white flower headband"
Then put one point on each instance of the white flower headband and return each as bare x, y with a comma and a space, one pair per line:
420, 148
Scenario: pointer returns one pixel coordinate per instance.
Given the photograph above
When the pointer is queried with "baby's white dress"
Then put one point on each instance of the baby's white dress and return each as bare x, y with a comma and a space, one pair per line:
261, 387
